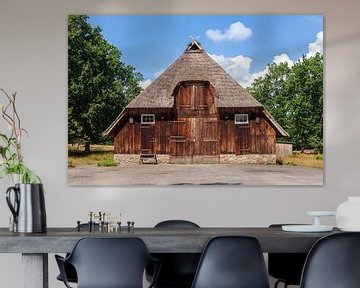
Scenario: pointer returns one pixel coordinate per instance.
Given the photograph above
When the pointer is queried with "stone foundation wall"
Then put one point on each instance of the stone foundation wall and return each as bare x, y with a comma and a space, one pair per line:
127, 159
196, 159
248, 159
163, 158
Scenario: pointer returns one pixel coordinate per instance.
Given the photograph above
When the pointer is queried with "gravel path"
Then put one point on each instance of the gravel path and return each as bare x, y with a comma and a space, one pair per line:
183, 174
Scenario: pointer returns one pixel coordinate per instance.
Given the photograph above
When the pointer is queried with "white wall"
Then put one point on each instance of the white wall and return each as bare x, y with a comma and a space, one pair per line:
33, 62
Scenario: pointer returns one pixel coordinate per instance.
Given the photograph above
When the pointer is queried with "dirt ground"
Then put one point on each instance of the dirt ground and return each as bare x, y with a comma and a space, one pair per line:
185, 174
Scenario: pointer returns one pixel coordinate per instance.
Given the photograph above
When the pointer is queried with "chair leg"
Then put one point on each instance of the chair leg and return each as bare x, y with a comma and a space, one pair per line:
279, 281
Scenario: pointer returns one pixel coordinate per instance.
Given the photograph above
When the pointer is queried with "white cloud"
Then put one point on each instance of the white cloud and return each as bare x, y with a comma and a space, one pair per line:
236, 32
317, 46
239, 67
283, 58
145, 83
256, 75
158, 73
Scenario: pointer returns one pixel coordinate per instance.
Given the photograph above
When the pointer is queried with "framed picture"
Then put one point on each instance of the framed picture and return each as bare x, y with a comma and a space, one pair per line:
195, 99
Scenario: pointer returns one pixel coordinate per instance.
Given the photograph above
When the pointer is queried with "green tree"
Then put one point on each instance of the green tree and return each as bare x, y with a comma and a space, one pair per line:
294, 96
100, 85
305, 85
271, 91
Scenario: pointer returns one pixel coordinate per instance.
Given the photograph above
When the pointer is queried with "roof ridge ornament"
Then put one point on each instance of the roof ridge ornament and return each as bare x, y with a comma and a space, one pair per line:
194, 44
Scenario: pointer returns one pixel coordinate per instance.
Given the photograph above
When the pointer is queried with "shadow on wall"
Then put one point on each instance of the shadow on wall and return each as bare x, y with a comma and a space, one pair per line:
343, 39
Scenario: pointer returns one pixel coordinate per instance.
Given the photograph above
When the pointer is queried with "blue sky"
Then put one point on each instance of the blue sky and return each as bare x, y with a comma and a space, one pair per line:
243, 44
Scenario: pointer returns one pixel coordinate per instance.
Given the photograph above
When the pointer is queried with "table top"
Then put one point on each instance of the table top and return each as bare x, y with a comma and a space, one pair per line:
158, 240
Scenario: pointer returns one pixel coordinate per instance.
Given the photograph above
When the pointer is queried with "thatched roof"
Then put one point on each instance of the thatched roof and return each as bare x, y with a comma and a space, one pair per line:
194, 65
280, 131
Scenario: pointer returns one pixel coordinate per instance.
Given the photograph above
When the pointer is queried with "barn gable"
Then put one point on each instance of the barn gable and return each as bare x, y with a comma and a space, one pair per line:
195, 112
194, 65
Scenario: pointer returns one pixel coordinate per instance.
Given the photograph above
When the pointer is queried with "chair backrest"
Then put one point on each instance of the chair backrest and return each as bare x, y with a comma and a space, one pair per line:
178, 269
333, 262
232, 262
110, 262
176, 224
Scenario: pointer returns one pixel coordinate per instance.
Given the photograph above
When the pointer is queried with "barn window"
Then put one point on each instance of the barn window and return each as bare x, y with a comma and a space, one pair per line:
241, 118
147, 118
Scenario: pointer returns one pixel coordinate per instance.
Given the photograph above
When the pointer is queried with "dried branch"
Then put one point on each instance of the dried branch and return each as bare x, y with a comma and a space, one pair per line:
12, 159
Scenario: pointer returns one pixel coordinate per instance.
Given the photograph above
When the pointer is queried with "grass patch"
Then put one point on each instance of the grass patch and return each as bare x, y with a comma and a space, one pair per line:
304, 160
107, 163
101, 155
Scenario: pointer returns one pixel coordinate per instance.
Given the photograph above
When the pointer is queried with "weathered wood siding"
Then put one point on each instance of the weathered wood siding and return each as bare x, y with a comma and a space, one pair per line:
195, 128
200, 136
131, 138
254, 138
128, 140
179, 141
194, 99
194, 136
262, 138
284, 149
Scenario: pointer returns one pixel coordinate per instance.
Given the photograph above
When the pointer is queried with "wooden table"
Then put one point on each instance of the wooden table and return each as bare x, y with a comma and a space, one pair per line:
35, 247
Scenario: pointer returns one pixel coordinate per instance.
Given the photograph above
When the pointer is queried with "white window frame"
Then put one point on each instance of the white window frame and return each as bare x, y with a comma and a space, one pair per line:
146, 116
241, 122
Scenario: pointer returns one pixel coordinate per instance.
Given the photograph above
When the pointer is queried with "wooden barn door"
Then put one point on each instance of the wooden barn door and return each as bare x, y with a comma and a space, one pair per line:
242, 139
206, 137
147, 133
195, 140
179, 131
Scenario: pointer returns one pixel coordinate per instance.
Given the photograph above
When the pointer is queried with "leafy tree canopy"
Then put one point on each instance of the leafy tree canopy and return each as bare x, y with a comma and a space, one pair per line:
294, 96
100, 85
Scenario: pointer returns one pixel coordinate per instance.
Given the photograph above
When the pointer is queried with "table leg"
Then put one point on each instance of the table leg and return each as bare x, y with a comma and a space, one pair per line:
35, 270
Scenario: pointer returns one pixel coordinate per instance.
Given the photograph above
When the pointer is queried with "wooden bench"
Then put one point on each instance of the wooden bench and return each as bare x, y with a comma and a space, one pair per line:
147, 159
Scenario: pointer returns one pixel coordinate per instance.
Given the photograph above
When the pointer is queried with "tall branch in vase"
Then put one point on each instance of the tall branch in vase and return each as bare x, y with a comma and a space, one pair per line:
12, 161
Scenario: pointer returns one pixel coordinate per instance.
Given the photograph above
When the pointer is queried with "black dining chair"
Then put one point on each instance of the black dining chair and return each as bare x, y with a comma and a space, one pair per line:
232, 262
70, 271
178, 269
285, 267
333, 262
108, 263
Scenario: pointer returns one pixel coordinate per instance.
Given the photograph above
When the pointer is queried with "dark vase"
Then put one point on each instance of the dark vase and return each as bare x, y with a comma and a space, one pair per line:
27, 204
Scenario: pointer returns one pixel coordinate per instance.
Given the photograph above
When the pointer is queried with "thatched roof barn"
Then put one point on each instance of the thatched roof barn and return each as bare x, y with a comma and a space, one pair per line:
195, 112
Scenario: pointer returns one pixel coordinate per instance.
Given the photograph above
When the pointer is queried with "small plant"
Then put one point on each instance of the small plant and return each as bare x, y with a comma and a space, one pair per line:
319, 157
279, 161
107, 163
71, 164
12, 161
